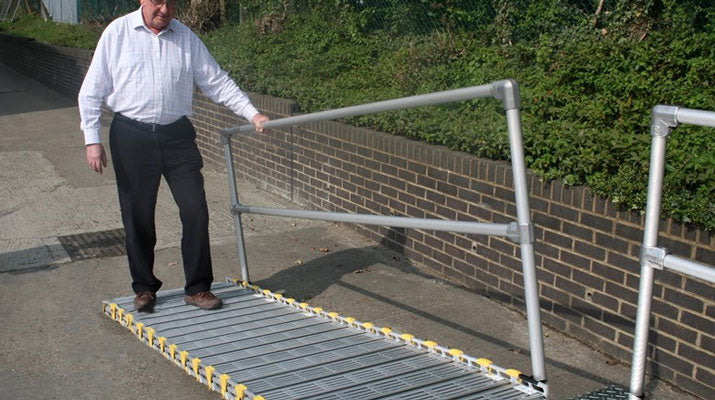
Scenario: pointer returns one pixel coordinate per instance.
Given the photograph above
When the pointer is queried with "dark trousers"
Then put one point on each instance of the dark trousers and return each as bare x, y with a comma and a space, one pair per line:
141, 154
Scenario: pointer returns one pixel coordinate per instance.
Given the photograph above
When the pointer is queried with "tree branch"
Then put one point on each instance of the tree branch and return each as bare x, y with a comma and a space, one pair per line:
598, 12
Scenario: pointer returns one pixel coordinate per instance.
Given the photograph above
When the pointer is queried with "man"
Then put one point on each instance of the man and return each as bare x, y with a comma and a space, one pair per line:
144, 69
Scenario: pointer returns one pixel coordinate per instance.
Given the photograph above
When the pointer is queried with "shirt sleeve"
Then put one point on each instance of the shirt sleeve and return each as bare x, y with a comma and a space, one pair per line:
216, 84
95, 88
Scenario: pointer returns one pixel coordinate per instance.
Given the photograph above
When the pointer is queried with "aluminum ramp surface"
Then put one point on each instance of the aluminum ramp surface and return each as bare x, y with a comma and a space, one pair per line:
260, 345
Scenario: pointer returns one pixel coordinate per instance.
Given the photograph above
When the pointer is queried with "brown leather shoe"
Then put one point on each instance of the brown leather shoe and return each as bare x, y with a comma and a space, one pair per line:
203, 300
144, 301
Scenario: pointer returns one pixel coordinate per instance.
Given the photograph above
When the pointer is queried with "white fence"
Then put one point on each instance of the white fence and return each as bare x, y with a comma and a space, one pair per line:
63, 10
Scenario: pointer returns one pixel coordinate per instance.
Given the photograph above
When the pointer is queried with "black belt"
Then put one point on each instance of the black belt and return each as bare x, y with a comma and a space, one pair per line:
144, 125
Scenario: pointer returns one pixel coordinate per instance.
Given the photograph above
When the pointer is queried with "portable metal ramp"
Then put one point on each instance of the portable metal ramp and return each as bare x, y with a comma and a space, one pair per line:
260, 345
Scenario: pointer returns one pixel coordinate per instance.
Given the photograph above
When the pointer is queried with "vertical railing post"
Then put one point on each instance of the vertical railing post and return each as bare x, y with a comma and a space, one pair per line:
663, 119
508, 92
231, 173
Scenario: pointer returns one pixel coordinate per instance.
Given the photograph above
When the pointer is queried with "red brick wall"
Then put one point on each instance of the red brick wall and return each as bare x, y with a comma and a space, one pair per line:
586, 248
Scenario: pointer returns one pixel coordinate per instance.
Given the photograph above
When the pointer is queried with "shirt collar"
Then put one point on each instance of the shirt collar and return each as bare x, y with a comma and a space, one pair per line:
137, 21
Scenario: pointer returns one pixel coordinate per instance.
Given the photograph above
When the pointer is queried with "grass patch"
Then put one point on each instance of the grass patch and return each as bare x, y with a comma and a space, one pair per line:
54, 33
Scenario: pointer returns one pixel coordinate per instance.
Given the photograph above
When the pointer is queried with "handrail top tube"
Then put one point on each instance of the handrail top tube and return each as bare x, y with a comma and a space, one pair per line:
505, 90
665, 117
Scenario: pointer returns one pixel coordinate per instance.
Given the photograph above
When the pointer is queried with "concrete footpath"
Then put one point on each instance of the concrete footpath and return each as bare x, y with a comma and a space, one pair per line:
55, 342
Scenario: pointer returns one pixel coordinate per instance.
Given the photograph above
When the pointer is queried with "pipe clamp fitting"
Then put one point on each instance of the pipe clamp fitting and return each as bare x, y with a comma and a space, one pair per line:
521, 233
663, 120
508, 92
654, 256
225, 137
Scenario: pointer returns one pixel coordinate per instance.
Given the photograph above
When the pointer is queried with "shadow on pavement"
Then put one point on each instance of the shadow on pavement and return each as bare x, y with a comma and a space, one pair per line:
18, 95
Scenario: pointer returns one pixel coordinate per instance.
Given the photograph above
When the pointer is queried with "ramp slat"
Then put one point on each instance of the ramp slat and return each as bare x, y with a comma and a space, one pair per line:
326, 359
275, 381
452, 389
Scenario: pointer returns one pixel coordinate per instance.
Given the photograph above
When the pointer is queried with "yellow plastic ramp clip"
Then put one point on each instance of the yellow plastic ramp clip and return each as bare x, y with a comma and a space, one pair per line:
172, 351
430, 344
195, 363
150, 336
223, 380
209, 371
407, 338
130, 321
485, 364
184, 355
514, 374
140, 330
240, 391
162, 344
456, 354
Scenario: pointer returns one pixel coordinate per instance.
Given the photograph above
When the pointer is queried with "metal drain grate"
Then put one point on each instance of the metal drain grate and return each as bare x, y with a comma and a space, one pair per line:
609, 393
94, 244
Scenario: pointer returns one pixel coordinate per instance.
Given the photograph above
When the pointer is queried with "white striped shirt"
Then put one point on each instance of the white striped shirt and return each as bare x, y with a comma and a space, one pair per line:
150, 78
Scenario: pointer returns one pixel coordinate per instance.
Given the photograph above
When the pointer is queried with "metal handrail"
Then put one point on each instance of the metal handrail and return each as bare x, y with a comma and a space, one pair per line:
371, 108
522, 231
479, 228
663, 120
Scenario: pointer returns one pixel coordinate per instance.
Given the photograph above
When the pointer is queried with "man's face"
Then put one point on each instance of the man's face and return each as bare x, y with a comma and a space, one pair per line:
158, 13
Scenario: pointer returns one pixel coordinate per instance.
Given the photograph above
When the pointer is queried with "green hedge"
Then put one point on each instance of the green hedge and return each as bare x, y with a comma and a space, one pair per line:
587, 91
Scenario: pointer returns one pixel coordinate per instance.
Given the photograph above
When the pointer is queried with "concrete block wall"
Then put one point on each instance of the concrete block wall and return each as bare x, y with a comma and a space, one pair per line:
58, 68
586, 250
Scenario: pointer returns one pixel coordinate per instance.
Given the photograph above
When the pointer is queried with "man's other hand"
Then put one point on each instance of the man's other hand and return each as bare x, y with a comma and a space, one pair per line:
96, 157
258, 121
